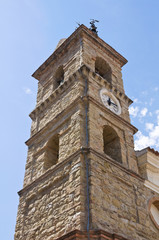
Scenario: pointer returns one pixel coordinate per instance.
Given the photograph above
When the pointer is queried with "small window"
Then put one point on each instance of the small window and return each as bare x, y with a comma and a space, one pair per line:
58, 77
103, 69
52, 152
112, 143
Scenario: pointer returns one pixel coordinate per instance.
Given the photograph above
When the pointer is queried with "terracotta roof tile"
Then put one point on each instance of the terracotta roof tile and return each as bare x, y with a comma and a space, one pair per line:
153, 151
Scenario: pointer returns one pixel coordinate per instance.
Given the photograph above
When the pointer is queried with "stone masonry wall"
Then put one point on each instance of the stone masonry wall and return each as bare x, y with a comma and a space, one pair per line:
100, 117
119, 201
53, 205
91, 51
96, 84
69, 133
70, 62
65, 95
63, 117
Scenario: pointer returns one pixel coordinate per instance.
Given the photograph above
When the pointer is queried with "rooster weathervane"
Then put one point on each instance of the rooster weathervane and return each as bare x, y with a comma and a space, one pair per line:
93, 28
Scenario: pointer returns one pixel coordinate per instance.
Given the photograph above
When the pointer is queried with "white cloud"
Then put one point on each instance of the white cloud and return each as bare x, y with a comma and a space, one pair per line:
149, 126
135, 100
152, 139
143, 112
151, 101
143, 141
154, 134
28, 91
133, 111
157, 112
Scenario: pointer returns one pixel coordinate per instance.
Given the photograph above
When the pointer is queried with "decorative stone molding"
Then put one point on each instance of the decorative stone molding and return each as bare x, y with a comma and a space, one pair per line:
148, 161
66, 84
154, 210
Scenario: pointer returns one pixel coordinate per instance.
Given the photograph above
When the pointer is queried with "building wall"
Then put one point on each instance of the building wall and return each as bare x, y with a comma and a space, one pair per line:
53, 205
92, 50
119, 201
100, 116
61, 116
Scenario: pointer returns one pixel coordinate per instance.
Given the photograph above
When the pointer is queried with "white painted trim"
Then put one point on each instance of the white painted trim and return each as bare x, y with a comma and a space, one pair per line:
152, 186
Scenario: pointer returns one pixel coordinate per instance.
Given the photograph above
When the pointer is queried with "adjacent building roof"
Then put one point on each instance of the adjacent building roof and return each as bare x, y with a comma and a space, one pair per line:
145, 150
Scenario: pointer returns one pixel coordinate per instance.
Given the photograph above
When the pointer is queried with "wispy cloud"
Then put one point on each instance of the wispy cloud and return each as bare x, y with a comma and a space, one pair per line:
156, 89
149, 126
133, 111
135, 100
143, 112
151, 101
28, 91
144, 93
143, 141
152, 138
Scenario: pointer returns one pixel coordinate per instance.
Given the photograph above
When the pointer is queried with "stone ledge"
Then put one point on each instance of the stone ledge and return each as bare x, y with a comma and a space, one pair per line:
115, 163
93, 235
77, 153
73, 105
66, 84
48, 173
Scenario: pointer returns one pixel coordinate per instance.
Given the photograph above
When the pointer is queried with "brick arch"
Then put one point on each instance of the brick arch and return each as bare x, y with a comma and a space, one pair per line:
111, 143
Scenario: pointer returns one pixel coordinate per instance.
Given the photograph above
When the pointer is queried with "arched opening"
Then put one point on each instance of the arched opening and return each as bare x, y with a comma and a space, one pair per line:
103, 69
52, 152
58, 77
154, 211
111, 143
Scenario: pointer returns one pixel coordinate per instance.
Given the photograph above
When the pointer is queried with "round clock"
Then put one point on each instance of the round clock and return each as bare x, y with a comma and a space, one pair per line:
110, 101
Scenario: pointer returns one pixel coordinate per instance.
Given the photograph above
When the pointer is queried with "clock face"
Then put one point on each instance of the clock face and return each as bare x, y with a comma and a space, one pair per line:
110, 101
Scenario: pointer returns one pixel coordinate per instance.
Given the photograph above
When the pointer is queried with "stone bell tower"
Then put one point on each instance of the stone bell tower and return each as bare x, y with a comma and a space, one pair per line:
82, 179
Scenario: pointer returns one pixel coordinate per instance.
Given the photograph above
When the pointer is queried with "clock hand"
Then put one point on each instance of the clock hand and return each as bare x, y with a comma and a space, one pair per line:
109, 102
114, 104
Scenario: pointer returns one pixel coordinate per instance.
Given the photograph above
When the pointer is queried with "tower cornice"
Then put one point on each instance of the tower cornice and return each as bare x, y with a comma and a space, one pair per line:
86, 70
90, 151
79, 33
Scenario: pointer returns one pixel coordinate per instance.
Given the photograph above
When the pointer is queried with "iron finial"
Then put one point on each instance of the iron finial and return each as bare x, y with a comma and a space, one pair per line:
93, 28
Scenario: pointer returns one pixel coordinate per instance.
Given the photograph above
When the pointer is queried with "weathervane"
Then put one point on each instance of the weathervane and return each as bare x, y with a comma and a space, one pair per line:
93, 28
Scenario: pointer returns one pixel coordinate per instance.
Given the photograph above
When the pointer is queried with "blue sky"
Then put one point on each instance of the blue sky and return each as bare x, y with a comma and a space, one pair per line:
30, 31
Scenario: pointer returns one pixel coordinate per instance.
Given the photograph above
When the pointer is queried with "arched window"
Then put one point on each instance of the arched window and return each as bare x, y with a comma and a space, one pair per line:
58, 77
112, 143
103, 69
52, 152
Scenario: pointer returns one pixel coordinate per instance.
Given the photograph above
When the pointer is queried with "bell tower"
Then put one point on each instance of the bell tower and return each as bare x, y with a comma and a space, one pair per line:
81, 178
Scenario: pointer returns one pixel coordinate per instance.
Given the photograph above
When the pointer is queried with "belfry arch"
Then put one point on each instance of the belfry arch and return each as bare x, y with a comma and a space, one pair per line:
58, 77
103, 69
111, 143
51, 152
